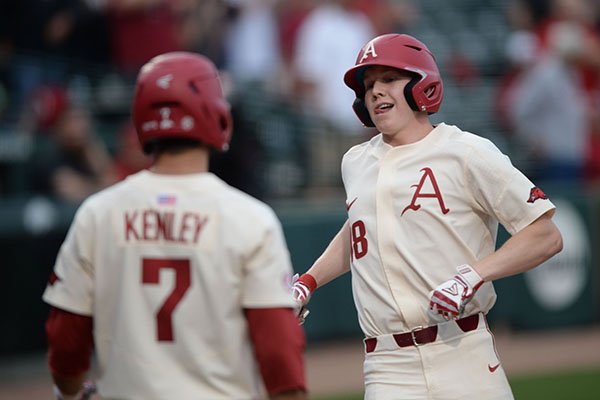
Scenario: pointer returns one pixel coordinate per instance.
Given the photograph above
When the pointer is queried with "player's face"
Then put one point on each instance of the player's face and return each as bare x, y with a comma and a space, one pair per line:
385, 99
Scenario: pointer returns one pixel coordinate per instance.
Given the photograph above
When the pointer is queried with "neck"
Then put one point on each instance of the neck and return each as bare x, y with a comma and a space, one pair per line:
414, 131
191, 161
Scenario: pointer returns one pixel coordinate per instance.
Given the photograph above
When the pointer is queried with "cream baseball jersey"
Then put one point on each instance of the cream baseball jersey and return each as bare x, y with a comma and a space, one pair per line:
165, 265
418, 211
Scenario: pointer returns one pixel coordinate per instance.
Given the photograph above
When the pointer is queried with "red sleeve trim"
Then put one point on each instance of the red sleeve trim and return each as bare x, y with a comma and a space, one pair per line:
279, 348
70, 342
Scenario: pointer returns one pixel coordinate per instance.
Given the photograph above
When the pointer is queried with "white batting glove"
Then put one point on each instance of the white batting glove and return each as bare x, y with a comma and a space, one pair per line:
302, 288
88, 388
450, 298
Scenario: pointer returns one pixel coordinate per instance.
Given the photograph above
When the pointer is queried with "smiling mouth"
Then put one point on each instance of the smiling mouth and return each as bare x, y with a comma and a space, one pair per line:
383, 108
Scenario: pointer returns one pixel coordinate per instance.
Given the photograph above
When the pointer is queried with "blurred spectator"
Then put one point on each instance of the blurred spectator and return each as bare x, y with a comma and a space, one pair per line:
389, 15
252, 45
243, 165
549, 106
42, 109
77, 163
129, 157
521, 50
140, 30
203, 26
328, 41
290, 16
43, 37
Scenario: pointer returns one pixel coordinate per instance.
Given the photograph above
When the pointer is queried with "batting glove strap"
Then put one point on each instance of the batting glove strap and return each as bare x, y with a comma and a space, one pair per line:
470, 276
303, 287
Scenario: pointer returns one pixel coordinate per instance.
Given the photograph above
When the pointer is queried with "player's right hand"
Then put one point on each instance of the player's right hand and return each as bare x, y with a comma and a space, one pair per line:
450, 298
302, 288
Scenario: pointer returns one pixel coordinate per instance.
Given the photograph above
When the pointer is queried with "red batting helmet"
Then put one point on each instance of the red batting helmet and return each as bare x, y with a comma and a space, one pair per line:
179, 95
423, 93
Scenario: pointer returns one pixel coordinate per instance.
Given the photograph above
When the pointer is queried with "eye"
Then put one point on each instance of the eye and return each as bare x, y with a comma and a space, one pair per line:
391, 78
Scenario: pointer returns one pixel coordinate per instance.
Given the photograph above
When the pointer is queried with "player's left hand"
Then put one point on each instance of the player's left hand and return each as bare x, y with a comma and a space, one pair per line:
450, 298
88, 388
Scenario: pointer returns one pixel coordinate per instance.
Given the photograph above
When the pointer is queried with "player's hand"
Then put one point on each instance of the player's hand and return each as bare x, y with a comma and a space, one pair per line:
450, 298
88, 388
302, 288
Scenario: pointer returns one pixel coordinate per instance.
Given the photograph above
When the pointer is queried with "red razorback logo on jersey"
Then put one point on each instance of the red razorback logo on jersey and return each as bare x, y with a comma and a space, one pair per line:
536, 193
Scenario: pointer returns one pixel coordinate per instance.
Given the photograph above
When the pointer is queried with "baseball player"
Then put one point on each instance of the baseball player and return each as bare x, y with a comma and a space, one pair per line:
424, 203
180, 281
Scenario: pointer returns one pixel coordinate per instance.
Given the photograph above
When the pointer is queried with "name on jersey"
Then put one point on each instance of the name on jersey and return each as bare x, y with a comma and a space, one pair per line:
154, 225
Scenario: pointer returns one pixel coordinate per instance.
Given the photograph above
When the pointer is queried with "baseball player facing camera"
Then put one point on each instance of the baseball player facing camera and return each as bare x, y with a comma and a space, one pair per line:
424, 203
180, 281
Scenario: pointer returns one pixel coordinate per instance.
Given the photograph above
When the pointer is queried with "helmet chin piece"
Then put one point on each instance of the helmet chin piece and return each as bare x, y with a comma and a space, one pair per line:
361, 111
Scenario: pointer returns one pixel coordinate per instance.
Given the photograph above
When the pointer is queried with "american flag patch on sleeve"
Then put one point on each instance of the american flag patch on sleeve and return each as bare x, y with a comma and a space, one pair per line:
167, 199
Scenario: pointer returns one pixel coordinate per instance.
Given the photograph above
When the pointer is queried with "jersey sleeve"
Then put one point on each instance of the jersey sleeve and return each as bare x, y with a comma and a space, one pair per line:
502, 190
72, 281
268, 269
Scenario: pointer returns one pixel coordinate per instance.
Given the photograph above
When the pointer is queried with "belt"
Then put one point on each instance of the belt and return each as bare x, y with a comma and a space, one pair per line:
419, 335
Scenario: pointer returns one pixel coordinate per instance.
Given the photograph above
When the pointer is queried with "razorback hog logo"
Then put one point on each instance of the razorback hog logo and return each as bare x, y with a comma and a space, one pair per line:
535, 194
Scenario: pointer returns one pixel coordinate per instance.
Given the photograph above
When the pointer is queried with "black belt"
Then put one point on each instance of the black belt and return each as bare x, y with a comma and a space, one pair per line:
420, 335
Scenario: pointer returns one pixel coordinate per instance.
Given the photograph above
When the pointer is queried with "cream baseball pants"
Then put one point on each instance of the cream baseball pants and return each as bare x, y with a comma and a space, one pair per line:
457, 365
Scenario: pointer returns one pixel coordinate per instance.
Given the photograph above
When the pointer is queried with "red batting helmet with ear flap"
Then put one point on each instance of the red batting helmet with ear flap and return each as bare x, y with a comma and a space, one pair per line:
179, 95
423, 93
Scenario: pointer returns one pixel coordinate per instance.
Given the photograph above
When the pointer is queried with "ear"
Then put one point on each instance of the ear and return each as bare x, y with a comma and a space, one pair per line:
362, 113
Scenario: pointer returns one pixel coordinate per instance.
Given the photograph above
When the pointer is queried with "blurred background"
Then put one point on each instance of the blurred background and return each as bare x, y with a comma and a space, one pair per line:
523, 73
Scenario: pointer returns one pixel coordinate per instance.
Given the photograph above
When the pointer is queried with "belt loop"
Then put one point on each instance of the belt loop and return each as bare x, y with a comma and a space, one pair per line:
468, 324
370, 345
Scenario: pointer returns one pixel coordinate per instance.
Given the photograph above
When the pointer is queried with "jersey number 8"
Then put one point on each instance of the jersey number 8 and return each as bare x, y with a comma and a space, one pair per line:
360, 245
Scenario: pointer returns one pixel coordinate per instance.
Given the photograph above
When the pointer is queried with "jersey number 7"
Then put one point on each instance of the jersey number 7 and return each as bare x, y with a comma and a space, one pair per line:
151, 275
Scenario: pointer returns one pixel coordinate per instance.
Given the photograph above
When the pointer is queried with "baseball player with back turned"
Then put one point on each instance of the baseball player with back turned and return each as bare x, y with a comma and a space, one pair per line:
180, 281
424, 203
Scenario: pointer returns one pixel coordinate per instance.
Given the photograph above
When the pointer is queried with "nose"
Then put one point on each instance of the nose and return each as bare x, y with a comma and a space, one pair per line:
378, 89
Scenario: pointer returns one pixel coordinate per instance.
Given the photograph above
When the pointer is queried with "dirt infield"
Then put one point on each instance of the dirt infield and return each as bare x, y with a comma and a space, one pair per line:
336, 367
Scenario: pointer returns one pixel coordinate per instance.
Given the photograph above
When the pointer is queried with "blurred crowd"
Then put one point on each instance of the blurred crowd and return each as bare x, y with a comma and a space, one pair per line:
549, 99
67, 68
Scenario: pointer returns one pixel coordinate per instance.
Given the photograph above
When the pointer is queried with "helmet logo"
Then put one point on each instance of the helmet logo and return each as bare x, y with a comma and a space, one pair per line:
166, 122
187, 123
369, 49
149, 126
164, 82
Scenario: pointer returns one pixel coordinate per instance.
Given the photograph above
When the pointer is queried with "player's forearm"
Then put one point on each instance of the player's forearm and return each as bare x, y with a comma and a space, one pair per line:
335, 260
525, 250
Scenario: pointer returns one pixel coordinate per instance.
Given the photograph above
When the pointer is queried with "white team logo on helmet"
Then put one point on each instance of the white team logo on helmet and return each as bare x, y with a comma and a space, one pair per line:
164, 81
166, 121
369, 49
187, 123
